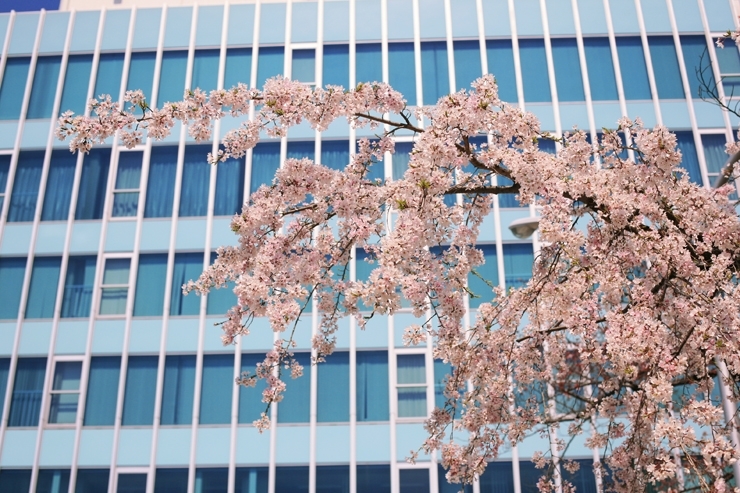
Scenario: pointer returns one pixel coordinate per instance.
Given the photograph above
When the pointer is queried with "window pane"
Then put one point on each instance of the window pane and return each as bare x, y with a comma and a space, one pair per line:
179, 387
59, 185
401, 159
93, 184
218, 385
304, 65
300, 149
665, 67
211, 480
333, 388
205, 70
74, 94
4, 171
187, 266
251, 480
291, 479
102, 390
128, 176
368, 62
141, 383
13, 87
116, 271
25, 404
294, 408
150, 284
567, 70
534, 70
15, 479
497, 478
265, 162
250, 398
141, 73
113, 300
632, 65
335, 154
44, 87
518, 260
229, 187
583, 479
161, 184
467, 63
373, 478
689, 159
26, 186
53, 481
269, 63
196, 173
336, 65
78, 285
4, 373
63, 407
414, 480
401, 73
172, 77
697, 62
332, 479
434, 75
238, 66
600, 69
714, 152
220, 300
372, 386
42, 294
92, 480
110, 70
171, 481
12, 271
131, 483
487, 273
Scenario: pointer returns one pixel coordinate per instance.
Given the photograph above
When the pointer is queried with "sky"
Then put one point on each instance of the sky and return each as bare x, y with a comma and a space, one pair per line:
26, 5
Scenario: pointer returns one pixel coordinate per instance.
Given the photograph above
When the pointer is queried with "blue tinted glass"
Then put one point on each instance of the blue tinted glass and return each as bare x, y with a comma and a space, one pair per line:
15, 479
632, 65
294, 408
141, 386
26, 186
4, 171
93, 184
229, 187
269, 63
217, 389
141, 73
161, 184
171, 480
91, 480
28, 388
698, 65
445, 487
567, 70
467, 63
518, 259
188, 266
178, 390
301, 149
42, 294
714, 152
534, 70
665, 66
335, 154
45, 79
205, 70
212, 479
250, 398
501, 65
131, 482
265, 162
78, 286
372, 385
375, 171
401, 73
689, 159
74, 94
583, 479
401, 159
497, 478
150, 283
238, 66
58, 194
336, 65
434, 75
487, 273
332, 479
414, 480
304, 65
251, 480
600, 69
12, 271
196, 174
13, 87
291, 479
373, 478
172, 76
368, 65
52, 481
333, 388
110, 70
102, 391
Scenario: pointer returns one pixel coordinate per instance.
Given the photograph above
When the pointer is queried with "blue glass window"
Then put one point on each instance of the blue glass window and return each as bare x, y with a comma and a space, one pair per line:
128, 180
141, 73
92, 480
52, 481
270, 61
150, 283
212, 479
434, 73
567, 70
13, 87
44, 88
336, 65
501, 65
332, 479
265, 162
171, 480
93, 184
4, 373
304, 65
294, 408
729, 66
172, 76
335, 154
220, 300
217, 389
251, 480
196, 174
26, 186
467, 63
412, 391
600, 69
78, 286
15, 479
376, 171
698, 65
441, 370
141, 386
28, 388
4, 171
114, 286
238, 66
229, 187
487, 273
665, 66
64, 394
205, 70
179, 387
368, 62
12, 271
373, 478
583, 479
161, 184
445, 487
414, 480
498, 477
372, 386
291, 479
714, 154
188, 266
42, 294
300, 149
74, 94
110, 71
59, 183
131, 482
250, 398
333, 388
518, 260
534, 70
401, 159
633, 68
102, 391
401, 73
689, 159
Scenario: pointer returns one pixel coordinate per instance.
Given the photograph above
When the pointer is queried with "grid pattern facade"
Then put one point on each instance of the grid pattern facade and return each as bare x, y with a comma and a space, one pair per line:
111, 379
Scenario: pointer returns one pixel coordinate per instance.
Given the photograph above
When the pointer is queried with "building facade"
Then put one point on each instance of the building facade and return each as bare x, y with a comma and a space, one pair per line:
112, 380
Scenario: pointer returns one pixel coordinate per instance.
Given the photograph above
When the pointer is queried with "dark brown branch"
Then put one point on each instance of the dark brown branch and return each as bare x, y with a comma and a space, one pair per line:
484, 189
407, 125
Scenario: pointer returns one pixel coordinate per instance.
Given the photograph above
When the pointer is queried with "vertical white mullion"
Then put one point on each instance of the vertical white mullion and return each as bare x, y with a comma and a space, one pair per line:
429, 376
551, 69
5, 203
417, 54
515, 53
615, 58
584, 71
648, 62
450, 48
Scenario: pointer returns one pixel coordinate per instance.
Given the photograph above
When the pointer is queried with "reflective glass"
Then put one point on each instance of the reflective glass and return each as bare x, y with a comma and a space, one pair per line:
567, 69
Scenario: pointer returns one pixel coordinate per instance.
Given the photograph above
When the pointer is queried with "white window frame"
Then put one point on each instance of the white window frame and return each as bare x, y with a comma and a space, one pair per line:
420, 351
114, 190
130, 470
51, 392
101, 286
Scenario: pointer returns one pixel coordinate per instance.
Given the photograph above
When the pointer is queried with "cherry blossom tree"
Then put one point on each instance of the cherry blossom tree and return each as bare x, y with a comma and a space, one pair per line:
624, 334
